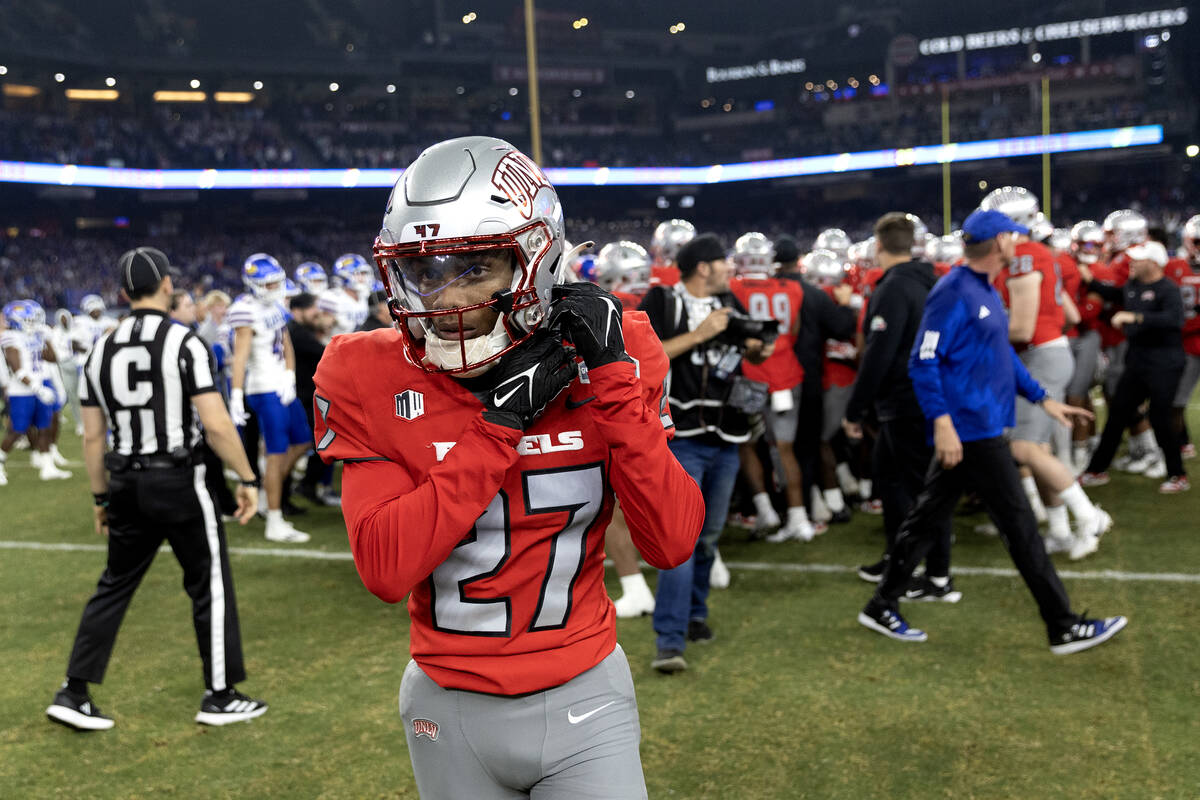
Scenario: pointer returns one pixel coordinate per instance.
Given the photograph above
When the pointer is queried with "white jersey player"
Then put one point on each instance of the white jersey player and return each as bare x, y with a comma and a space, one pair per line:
353, 278
264, 381
89, 326
31, 400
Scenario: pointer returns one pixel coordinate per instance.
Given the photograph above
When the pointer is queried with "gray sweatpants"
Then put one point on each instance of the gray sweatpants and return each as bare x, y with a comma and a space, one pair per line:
578, 740
1051, 366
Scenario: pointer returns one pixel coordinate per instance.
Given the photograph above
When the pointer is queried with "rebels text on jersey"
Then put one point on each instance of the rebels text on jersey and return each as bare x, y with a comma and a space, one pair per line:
497, 533
265, 367
1034, 258
778, 299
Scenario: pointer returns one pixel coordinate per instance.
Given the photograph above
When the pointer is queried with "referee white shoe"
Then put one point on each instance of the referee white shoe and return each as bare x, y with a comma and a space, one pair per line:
281, 531
223, 708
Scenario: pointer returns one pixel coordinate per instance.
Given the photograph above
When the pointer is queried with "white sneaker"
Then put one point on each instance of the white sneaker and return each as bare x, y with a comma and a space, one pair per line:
635, 603
3, 476
1083, 546
1158, 467
802, 532
1056, 545
768, 520
1140, 463
79, 429
284, 532
58, 458
49, 472
718, 577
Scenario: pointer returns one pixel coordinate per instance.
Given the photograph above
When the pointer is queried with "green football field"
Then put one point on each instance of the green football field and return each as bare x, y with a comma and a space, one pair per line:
792, 700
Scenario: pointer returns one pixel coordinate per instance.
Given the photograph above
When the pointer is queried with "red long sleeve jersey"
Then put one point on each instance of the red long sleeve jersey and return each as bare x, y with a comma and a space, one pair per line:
1188, 279
1115, 272
499, 534
778, 299
1030, 258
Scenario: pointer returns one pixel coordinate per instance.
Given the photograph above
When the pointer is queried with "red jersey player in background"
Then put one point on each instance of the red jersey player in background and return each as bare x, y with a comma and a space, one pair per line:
481, 468
623, 268
1185, 271
778, 300
1031, 287
668, 237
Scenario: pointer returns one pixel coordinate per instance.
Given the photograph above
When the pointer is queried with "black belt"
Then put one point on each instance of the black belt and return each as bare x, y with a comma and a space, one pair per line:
115, 462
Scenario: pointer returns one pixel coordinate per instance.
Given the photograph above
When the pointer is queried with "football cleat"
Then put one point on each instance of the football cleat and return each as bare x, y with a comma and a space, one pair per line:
1088, 479
1174, 485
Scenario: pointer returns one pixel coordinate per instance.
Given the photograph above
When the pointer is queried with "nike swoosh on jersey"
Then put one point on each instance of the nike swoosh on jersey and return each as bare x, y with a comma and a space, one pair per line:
572, 404
575, 720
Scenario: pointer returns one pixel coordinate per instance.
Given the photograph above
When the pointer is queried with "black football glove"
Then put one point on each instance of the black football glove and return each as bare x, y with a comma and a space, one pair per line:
527, 379
591, 319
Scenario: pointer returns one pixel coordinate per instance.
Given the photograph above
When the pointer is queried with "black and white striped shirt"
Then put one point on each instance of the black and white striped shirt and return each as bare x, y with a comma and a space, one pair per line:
143, 375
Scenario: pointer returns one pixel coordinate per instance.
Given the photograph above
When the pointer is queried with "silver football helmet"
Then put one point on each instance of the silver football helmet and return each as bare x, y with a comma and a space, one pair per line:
1016, 202
668, 237
753, 254
920, 236
462, 203
834, 239
823, 267
1060, 240
862, 254
624, 266
1125, 228
90, 303
1191, 238
1041, 228
945, 250
1087, 241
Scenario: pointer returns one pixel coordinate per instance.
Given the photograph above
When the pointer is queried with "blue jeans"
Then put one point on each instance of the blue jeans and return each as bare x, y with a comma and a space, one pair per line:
682, 593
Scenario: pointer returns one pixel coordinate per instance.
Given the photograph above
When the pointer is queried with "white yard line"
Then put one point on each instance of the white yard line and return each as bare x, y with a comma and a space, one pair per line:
749, 566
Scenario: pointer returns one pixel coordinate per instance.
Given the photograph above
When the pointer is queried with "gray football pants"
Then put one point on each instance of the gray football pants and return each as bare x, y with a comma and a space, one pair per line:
577, 740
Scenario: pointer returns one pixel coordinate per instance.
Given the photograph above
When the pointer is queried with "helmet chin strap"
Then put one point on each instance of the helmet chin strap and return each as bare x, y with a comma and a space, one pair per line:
448, 353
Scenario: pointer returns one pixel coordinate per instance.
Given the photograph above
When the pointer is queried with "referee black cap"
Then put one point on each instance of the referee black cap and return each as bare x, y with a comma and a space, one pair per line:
143, 268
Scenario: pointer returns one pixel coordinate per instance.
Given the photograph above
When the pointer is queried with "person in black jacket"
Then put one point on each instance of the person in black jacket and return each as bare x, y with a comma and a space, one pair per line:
1152, 321
820, 318
308, 327
901, 454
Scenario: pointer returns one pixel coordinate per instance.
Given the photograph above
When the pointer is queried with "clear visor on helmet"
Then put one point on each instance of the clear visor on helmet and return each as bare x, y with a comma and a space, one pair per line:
436, 282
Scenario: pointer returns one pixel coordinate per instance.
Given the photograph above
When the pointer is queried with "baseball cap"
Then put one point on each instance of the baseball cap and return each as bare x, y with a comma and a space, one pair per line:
786, 249
983, 225
1149, 251
143, 268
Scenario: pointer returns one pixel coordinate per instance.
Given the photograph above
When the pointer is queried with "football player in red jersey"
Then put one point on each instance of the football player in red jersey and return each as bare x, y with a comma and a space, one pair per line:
481, 464
1031, 286
668, 237
1185, 271
623, 269
779, 300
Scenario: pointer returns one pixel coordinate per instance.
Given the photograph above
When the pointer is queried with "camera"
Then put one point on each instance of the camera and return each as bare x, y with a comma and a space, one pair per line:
742, 327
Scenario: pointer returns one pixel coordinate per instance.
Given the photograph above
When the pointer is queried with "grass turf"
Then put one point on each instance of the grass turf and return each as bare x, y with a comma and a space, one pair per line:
792, 700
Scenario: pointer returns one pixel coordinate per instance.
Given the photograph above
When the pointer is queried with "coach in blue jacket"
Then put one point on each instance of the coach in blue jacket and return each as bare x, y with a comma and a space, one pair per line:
966, 376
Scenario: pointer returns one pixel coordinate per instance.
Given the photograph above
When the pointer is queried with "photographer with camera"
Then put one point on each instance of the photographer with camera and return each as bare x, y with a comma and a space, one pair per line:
706, 334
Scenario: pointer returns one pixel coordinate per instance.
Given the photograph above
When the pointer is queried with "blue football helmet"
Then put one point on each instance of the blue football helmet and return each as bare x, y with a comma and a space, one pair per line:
264, 278
311, 277
24, 315
352, 271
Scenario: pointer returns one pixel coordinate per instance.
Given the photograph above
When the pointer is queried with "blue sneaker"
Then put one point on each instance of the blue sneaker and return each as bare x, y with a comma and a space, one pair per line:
890, 624
1085, 633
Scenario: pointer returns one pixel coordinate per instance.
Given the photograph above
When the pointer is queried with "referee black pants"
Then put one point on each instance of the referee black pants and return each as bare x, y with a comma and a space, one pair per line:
987, 468
899, 462
1133, 388
146, 507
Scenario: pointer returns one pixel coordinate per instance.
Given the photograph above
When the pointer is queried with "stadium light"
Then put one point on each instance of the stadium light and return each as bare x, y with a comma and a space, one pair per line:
469, 18
3, 70
630, 94
233, 97
58, 76
831, 164
391, 88
257, 85
110, 82
20, 90
1193, 150
92, 94
333, 87
179, 97
513, 91
1036, 58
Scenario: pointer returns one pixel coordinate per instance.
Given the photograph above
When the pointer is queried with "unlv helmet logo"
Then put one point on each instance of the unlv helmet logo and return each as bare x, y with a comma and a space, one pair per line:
519, 179
425, 727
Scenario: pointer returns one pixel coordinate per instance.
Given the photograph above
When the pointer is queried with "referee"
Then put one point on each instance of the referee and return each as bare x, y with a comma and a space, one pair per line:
151, 383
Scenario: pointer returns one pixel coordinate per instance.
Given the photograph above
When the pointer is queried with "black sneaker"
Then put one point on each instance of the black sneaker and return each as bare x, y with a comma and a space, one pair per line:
1085, 633
890, 624
77, 711
840, 517
669, 661
228, 706
698, 631
923, 589
873, 573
